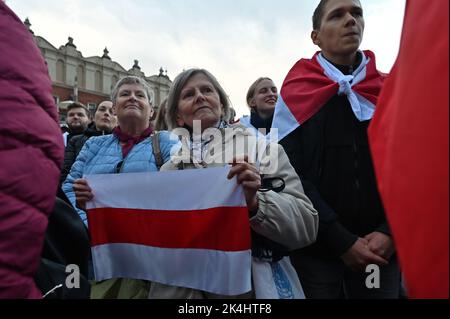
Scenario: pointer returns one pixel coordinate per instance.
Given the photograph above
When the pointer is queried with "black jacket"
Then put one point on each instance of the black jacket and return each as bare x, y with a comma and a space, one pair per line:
260, 123
331, 154
66, 243
74, 146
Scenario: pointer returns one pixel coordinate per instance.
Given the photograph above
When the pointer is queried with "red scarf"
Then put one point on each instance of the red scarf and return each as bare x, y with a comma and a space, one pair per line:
307, 89
130, 141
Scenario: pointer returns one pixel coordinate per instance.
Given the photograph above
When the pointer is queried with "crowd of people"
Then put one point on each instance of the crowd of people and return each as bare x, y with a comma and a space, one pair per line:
316, 217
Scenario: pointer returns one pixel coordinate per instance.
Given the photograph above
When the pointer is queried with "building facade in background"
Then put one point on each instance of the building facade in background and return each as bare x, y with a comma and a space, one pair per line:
90, 80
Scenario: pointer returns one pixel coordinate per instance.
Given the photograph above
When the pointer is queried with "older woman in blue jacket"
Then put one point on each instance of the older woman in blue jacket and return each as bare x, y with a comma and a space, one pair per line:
127, 150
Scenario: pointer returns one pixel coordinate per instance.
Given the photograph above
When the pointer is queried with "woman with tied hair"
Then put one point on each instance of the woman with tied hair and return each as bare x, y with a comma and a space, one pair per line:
262, 97
282, 218
128, 150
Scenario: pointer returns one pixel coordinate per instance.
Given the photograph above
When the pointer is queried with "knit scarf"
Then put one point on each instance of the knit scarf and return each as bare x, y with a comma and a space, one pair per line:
130, 141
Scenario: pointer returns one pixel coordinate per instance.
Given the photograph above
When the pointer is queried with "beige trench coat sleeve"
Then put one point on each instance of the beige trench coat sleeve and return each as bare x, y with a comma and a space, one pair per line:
288, 217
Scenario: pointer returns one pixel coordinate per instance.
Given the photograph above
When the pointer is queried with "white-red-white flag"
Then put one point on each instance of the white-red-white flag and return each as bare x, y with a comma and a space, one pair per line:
181, 228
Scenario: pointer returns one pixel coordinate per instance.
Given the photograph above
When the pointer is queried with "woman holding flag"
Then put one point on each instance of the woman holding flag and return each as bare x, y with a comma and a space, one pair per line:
185, 259
281, 216
126, 150
129, 149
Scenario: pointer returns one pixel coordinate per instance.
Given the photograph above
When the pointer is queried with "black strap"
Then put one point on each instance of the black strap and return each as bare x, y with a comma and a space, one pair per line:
276, 184
157, 150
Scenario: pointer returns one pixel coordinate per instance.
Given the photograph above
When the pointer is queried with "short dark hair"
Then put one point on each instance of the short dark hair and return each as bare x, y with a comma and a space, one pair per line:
77, 105
318, 14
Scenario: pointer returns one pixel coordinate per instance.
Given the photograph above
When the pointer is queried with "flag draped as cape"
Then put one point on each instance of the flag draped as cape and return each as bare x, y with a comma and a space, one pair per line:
311, 83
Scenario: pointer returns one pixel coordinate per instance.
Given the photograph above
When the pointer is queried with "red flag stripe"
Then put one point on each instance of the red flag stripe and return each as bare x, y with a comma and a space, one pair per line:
211, 229
410, 143
371, 87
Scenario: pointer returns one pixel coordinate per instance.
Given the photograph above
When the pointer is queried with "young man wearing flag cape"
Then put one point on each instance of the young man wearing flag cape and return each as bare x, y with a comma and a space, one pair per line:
323, 113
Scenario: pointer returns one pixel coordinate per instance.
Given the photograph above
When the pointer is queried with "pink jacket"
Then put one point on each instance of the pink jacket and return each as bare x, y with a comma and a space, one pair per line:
31, 154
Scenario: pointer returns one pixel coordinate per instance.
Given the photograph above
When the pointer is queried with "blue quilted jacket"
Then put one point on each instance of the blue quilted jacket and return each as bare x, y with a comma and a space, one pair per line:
102, 155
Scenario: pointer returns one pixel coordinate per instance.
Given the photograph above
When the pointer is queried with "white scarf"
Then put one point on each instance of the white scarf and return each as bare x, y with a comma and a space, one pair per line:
362, 108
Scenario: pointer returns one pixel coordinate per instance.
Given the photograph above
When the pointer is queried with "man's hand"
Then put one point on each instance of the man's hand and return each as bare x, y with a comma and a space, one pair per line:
359, 256
83, 193
381, 244
248, 176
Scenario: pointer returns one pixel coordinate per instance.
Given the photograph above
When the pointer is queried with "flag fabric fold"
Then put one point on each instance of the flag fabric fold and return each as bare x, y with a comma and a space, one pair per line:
311, 83
182, 228
410, 145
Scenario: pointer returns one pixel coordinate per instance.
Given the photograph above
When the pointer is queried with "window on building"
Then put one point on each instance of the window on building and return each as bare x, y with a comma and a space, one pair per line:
91, 107
152, 97
98, 81
80, 77
114, 81
60, 71
56, 99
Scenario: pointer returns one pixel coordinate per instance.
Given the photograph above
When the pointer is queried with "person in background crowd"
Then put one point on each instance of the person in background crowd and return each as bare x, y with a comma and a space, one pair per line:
77, 121
31, 154
262, 97
160, 121
64, 128
233, 116
104, 122
334, 97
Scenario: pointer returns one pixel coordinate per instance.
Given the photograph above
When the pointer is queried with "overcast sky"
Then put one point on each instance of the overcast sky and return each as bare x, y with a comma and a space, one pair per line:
237, 40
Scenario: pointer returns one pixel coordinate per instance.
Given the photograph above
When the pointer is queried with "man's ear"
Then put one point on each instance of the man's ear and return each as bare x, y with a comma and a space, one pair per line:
114, 110
315, 37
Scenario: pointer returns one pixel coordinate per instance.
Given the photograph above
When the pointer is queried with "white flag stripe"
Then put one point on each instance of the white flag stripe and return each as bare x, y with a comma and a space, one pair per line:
206, 270
183, 190
283, 119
